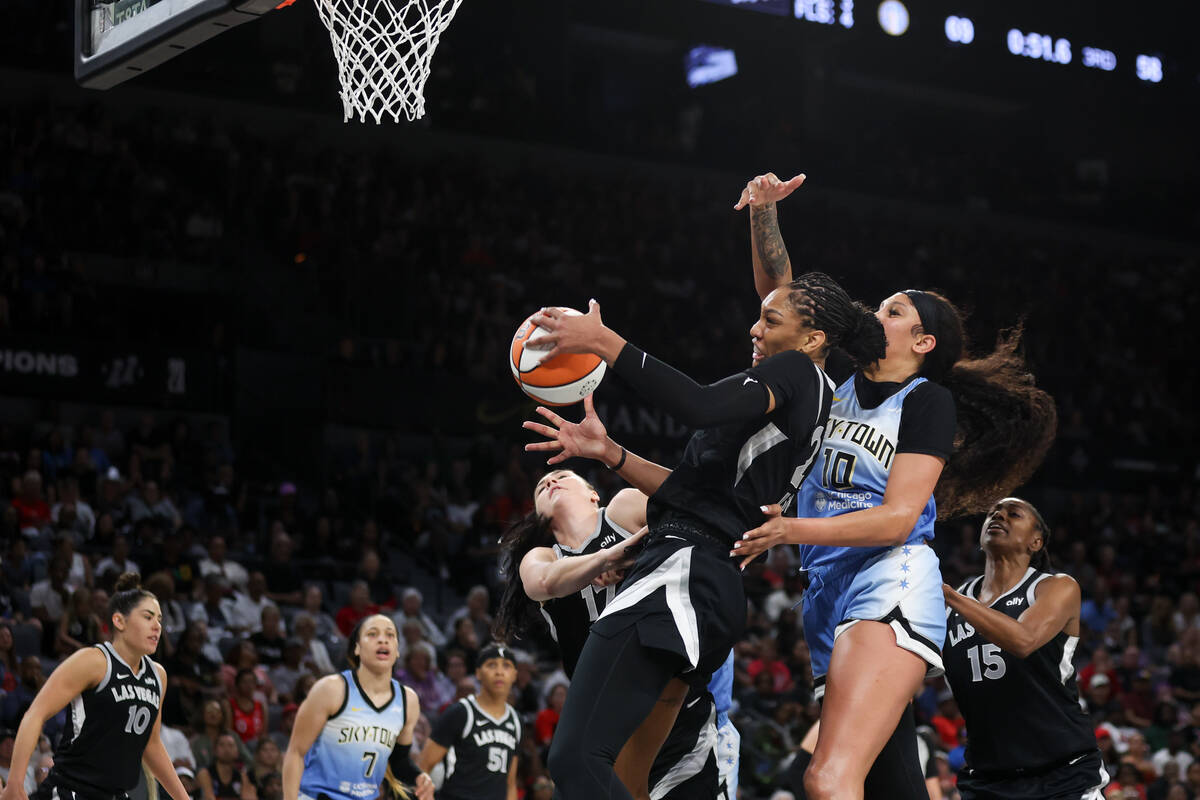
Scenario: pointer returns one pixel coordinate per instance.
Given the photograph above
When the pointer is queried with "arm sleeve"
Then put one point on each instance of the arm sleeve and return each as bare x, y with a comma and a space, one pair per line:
737, 397
448, 729
401, 764
928, 422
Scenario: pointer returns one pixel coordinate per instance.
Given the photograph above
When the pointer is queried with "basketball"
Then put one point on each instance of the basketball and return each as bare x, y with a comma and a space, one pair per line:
561, 381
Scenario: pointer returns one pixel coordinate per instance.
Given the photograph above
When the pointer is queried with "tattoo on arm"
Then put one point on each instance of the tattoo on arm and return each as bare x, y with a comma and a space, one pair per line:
769, 242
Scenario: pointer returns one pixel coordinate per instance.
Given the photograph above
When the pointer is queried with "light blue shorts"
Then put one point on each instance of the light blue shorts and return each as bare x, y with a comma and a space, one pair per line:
901, 586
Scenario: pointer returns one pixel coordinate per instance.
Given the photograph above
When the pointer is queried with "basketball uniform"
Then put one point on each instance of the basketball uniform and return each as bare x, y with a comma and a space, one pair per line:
479, 750
350, 756
869, 424
570, 617
108, 727
1028, 735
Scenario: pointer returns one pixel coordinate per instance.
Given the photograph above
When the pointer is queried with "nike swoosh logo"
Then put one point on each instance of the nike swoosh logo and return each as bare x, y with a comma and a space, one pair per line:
356, 708
697, 700
837, 399
122, 675
1077, 759
749, 380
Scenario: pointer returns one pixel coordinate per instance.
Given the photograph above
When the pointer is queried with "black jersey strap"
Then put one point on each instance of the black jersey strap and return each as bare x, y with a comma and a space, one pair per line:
728, 400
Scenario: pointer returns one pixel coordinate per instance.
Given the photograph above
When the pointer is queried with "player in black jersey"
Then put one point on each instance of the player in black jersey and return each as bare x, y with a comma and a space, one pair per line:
114, 692
681, 606
1011, 634
478, 736
561, 560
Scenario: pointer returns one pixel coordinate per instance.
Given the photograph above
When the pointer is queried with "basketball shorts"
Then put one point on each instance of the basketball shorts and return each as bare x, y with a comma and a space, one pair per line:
900, 586
729, 747
1084, 779
686, 766
684, 594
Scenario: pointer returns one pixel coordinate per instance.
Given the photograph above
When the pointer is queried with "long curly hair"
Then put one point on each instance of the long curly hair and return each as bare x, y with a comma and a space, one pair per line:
1006, 424
517, 613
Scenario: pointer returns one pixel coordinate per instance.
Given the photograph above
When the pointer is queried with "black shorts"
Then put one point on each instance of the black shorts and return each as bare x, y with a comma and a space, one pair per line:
685, 595
686, 766
56, 786
1081, 778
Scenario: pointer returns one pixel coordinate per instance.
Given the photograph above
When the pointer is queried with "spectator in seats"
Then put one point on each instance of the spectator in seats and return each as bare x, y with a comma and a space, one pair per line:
243, 657
1176, 751
1187, 616
148, 443
465, 640
71, 513
285, 581
1138, 703
285, 675
171, 558
226, 778
153, 505
117, 561
249, 711
475, 609
1101, 664
270, 786
1100, 704
787, 596
547, 718
268, 760
421, 674
378, 585
1185, 672
248, 607
270, 639
768, 661
216, 720
948, 722
194, 676
456, 666
525, 695
358, 606
49, 599
1137, 753
17, 702
1158, 628
109, 437
410, 609
287, 721
8, 659
178, 748
174, 615
304, 685
1097, 611
79, 573
1166, 719
314, 654
79, 626
33, 513
762, 698
7, 737
218, 611
17, 566
218, 561
314, 606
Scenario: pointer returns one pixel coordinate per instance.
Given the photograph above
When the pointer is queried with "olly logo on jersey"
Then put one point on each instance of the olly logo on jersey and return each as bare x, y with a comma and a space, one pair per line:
1015, 601
125, 693
963, 631
363, 734
495, 736
608, 540
865, 436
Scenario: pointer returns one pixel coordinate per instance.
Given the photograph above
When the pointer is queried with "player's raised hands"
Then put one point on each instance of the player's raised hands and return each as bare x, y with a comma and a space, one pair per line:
569, 333
766, 189
587, 438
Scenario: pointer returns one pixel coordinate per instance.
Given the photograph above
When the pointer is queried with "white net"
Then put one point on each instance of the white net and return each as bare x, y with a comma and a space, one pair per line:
383, 50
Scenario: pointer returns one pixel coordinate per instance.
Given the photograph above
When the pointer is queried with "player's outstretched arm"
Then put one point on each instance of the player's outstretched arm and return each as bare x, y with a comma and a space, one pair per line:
589, 439
545, 576
768, 255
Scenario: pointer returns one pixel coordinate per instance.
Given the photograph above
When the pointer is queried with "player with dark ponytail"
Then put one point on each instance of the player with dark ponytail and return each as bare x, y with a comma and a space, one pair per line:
1012, 634
681, 607
921, 417
113, 692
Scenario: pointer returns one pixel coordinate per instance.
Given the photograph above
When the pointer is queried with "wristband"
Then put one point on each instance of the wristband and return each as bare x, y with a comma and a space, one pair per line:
617, 467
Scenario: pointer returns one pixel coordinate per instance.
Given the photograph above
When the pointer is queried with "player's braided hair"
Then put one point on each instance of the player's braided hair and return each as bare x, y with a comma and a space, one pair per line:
517, 613
1005, 423
847, 324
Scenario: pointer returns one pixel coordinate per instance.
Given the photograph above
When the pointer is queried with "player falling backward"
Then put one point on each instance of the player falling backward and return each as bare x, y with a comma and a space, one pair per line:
113, 693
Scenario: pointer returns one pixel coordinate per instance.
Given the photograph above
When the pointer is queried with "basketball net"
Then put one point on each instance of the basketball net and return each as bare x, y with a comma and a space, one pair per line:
383, 49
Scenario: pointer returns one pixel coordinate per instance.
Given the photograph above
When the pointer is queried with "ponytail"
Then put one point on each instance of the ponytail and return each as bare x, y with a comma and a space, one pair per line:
517, 613
847, 324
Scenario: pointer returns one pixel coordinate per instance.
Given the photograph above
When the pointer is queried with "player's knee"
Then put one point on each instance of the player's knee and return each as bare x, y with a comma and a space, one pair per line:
821, 782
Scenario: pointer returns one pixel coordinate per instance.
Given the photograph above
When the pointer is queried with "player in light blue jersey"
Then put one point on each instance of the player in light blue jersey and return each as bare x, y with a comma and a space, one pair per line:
355, 728
873, 612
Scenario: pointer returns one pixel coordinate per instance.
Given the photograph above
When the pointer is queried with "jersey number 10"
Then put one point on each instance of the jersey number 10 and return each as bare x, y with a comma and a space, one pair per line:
139, 720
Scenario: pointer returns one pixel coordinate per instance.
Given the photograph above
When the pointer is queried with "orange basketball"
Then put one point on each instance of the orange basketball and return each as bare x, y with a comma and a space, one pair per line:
561, 381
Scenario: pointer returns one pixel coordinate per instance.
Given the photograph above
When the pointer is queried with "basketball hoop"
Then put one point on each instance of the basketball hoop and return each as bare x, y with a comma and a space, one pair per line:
383, 50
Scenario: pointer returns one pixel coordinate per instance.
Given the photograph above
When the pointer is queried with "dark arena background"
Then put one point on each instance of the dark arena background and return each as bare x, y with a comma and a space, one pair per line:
231, 321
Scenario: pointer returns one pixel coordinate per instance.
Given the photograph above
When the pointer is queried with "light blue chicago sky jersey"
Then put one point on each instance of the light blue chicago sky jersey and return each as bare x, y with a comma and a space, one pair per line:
350, 756
852, 469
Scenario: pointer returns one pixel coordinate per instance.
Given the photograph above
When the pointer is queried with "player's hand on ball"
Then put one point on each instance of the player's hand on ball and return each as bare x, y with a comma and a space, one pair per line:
424, 787
758, 541
565, 333
765, 189
585, 439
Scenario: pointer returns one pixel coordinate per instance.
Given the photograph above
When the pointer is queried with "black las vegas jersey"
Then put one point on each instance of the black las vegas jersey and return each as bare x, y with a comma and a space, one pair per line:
572, 616
1020, 712
729, 471
479, 750
108, 727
